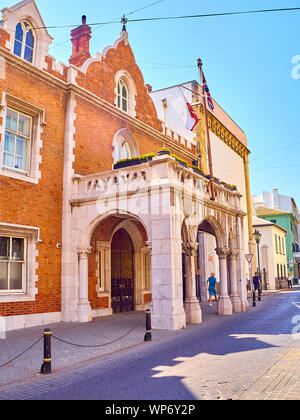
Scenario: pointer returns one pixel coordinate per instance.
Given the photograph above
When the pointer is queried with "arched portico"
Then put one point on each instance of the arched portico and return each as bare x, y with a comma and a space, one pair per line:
162, 207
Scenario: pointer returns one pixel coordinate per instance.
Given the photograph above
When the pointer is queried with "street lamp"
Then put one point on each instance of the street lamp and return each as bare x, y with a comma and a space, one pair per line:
257, 237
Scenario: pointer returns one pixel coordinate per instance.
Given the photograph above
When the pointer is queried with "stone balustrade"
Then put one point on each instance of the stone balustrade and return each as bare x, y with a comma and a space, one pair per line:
158, 172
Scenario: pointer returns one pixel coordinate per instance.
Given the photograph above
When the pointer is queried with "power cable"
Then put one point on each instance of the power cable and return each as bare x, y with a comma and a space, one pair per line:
176, 17
275, 151
117, 20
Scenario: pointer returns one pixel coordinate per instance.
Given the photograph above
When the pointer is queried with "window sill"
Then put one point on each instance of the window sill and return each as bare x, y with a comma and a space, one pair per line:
15, 297
18, 176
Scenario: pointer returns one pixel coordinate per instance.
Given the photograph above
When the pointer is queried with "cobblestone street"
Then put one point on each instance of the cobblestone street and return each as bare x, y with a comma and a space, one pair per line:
253, 355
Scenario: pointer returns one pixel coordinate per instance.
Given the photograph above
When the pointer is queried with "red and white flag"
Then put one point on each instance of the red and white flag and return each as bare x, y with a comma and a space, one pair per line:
192, 118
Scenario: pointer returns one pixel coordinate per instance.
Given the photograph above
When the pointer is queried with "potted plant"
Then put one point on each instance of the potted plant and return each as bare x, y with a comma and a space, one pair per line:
197, 170
125, 163
181, 161
147, 157
163, 151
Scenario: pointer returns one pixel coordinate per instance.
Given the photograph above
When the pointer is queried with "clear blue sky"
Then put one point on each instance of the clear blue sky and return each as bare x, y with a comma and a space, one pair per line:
247, 62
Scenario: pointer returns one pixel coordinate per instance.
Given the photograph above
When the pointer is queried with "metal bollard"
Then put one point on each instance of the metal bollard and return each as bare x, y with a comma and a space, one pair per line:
148, 336
254, 299
46, 366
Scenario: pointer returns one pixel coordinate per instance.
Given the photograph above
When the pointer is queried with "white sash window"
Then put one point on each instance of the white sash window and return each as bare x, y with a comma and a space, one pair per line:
12, 264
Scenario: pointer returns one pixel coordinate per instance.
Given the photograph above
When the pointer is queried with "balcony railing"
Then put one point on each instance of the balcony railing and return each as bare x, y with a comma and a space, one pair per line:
161, 171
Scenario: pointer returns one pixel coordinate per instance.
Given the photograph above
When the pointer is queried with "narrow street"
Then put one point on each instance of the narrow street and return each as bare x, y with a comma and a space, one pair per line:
253, 355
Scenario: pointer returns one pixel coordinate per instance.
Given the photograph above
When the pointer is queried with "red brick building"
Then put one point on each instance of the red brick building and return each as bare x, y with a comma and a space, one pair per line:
78, 238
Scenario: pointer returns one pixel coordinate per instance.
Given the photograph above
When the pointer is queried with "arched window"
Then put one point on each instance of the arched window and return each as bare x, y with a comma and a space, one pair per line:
122, 96
124, 145
122, 150
24, 41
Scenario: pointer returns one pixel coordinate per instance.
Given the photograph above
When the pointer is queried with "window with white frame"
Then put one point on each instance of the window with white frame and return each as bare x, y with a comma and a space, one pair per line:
22, 127
17, 142
12, 264
24, 41
122, 96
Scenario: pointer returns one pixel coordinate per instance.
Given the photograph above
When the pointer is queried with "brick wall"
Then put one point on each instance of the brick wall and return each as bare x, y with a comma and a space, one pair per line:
39, 205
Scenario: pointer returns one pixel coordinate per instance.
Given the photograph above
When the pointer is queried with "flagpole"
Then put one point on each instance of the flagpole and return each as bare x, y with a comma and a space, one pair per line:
211, 173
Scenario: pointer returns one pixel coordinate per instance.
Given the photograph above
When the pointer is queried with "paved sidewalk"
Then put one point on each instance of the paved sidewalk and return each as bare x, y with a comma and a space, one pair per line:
99, 332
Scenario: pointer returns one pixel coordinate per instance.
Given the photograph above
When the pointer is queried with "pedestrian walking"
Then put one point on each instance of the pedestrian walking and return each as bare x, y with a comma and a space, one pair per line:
290, 279
212, 281
256, 282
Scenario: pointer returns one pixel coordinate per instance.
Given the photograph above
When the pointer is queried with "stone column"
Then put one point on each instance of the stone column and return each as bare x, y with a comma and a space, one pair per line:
191, 305
84, 307
235, 298
225, 306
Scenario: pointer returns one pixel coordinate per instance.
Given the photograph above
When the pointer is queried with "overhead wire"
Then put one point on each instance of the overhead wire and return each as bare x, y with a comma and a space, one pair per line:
198, 16
99, 25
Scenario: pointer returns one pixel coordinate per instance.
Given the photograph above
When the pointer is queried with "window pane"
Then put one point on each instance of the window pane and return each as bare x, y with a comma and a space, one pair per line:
16, 276
117, 152
3, 276
119, 88
125, 154
124, 92
19, 32
24, 125
28, 54
29, 39
119, 102
11, 120
18, 48
21, 154
9, 143
124, 105
4, 248
17, 249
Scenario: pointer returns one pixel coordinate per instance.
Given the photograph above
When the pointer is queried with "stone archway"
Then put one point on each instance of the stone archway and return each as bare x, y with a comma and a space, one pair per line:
101, 290
212, 227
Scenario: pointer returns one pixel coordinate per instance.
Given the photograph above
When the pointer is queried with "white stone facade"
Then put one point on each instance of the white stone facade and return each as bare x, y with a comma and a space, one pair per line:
169, 202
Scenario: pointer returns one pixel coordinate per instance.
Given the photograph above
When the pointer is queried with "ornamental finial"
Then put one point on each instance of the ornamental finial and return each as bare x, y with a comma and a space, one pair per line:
124, 21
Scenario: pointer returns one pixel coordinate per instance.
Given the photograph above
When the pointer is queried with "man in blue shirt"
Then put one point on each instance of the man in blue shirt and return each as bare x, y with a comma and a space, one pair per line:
212, 281
256, 282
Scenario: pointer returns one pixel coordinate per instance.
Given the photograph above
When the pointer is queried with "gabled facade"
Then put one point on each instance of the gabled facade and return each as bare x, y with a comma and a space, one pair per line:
91, 222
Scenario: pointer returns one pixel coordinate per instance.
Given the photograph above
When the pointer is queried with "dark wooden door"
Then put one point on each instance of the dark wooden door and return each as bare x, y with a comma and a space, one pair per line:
122, 273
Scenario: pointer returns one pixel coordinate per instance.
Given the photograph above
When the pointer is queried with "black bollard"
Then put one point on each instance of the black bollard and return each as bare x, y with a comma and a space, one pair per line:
148, 336
254, 299
46, 366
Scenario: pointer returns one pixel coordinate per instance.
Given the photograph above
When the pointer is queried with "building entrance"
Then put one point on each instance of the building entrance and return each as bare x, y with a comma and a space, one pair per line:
122, 273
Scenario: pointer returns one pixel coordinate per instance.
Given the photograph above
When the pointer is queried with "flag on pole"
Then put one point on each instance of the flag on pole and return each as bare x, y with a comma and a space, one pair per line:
192, 118
209, 98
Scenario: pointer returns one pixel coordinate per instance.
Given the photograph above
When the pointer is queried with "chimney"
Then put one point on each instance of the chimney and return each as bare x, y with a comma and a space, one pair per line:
275, 199
80, 38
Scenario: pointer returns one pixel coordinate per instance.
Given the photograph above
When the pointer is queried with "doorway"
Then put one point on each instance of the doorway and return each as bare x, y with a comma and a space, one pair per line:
122, 273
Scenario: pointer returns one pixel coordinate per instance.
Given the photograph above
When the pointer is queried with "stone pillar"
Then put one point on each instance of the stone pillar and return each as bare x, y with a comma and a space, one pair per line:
225, 306
235, 298
203, 258
191, 305
84, 307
